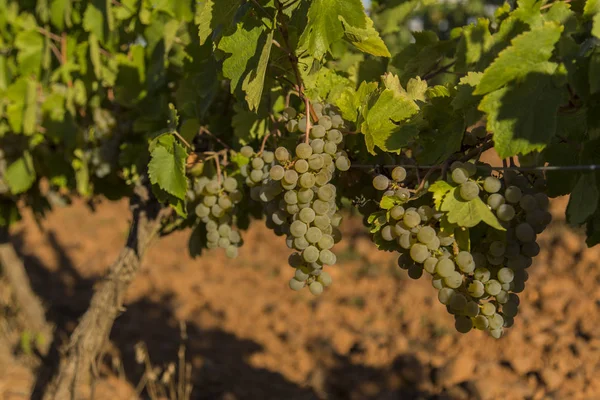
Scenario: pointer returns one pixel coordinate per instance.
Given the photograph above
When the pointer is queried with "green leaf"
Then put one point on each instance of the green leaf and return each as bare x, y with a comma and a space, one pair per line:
30, 119
60, 13
560, 183
352, 101
97, 19
440, 189
366, 40
591, 8
523, 116
167, 168
248, 125
472, 44
208, 17
249, 47
388, 202
596, 25
30, 45
380, 126
254, 82
584, 199
377, 220
20, 174
325, 27
525, 54
468, 213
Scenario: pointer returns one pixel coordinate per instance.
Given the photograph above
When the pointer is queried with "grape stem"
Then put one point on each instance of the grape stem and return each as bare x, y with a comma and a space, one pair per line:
218, 166
203, 130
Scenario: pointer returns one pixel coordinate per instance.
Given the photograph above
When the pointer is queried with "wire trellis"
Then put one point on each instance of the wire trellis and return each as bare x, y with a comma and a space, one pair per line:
590, 167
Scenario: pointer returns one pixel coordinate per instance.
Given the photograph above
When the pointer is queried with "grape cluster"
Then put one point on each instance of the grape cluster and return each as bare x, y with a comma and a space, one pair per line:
216, 198
299, 199
479, 285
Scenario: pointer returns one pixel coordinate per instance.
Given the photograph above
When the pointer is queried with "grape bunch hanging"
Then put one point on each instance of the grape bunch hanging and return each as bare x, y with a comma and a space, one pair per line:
299, 200
478, 270
216, 199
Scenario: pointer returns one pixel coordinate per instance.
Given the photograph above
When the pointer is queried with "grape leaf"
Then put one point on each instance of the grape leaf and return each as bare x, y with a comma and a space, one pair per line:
591, 8
584, 199
525, 54
380, 126
208, 17
560, 183
20, 174
472, 43
366, 40
440, 189
331, 20
388, 202
596, 25
248, 125
351, 101
31, 49
167, 168
463, 239
249, 47
523, 116
468, 213
97, 19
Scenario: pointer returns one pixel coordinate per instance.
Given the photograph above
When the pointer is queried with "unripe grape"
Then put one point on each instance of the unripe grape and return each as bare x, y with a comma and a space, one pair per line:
381, 182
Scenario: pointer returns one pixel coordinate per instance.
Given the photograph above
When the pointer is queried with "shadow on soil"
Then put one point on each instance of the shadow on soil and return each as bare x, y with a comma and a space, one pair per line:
220, 360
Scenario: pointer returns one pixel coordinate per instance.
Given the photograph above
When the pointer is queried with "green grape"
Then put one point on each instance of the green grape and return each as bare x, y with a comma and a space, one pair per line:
502, 297
325, 279
437, 283
316, 288
460, 175
321, 207
425, 212
471, 309
505, 275
224, 242
307, 180
510, 309
310, 254
290, 176
469, 190
202, 210
302, 124
246, 151
415, 271
497, 248
213, 236
300, 275
491, 184
403, 194
525, 233
209, 201
464, 260
301, 166
435, 245
336, 219
256, 175
212, 187
337, 121
281, 154
298, 228
444, 267
317, 146
458, 302
386, 233
513, 194
482, 274
481, 322
445, 295
296, 284
398, 174
316, 162
488, 309
496, 333
426, 234
292, 126
303, 150
313, 234
216, 211
334, 136
342, 164
291, 197
305, 195
289, 113
317, 131
326, 242
276, 173
493, 287
325, 122
307, 215
381, 182
230, 184
322, 221
257, 163
463, 324
496, 321
454, 280
234, 236
495, 200
326, 193
411, 219
429, 265
231, 251
224, 230
397, 212
330, 148
211, 225
327, 257
225, 202
505, 212
476, 289
530, 249
419, 252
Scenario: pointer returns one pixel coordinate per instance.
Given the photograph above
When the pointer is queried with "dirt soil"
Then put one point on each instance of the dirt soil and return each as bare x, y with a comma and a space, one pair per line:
375, 334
